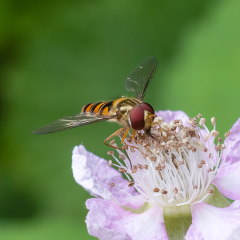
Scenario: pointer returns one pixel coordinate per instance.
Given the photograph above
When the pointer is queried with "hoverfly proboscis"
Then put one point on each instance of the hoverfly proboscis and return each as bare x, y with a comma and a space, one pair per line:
131, 113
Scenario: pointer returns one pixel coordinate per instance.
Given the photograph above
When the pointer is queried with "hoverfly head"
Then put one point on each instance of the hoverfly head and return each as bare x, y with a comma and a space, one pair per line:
142, 116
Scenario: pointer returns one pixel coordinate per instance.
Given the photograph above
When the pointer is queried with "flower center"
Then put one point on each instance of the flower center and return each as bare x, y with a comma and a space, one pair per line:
175, 165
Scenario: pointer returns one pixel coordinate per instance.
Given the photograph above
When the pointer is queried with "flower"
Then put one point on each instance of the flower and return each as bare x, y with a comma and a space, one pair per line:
180, 176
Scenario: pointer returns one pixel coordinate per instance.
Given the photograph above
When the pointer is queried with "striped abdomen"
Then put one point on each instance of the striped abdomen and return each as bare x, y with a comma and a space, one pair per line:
100, 108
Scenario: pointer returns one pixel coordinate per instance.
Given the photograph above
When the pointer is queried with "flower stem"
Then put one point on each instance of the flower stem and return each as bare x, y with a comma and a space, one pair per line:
177, 221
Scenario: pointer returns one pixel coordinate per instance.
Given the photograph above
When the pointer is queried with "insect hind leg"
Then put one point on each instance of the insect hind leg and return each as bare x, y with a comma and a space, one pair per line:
111, 136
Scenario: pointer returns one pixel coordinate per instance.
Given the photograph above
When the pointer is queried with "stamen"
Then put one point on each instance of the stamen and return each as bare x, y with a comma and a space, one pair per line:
130, 183
210, 191
227, 134
145, 166
122, 157
202, 122
214, 133
177, 159
110, 153
112, 185
110, 163
213, 121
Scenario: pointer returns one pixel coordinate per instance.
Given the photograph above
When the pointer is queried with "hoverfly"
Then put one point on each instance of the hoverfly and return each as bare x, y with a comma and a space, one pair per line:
131, 113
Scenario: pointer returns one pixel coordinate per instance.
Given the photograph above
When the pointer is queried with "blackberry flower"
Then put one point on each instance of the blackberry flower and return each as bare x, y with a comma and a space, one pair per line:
176, 181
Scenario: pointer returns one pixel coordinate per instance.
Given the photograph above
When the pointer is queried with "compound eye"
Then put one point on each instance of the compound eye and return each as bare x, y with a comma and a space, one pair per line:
147, 107
137, 118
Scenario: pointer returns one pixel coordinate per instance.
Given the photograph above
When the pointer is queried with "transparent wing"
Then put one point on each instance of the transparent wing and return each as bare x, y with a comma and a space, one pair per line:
140, 78
72, 122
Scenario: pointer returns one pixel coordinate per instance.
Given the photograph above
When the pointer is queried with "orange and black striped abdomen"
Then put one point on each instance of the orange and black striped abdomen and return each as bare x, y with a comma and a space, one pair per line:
100, 108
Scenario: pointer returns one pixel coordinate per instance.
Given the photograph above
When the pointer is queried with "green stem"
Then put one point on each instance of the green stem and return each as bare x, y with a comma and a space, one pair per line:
177, 221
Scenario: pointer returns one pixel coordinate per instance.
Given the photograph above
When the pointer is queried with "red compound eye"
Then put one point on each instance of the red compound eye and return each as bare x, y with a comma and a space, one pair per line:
137, 118
147, 107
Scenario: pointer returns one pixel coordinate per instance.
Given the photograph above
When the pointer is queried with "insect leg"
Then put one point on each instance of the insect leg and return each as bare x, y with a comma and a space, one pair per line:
113, 135
133, 134
125, 134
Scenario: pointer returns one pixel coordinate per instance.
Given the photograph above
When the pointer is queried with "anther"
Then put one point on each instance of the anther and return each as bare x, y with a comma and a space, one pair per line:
219, 139
110, 153
210, 191
129, 139
205, 149
214, 133
164, 191
180, 144
145, 166
132, 149
156, 189
209, 170
202, 162
199, 165
139, 166
122, 170
162, 161
195, 187
223, 146
122, 157
213, 121
199, 115
227, 134
110, 163
180, 163
134, 168
112, 184
158, 167
175, 190
130, 183
112, 142
202, 122
153, 159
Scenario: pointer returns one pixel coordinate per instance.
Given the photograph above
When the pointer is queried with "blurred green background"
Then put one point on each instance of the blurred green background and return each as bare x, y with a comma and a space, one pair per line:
56, 56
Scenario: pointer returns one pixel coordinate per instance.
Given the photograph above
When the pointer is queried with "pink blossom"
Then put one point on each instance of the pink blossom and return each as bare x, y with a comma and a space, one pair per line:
119, 212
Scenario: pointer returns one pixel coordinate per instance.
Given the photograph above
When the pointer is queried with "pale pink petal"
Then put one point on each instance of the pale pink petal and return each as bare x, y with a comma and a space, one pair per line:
212, 223
233, 144
169, 115
228, 181
95, 175
108, 221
